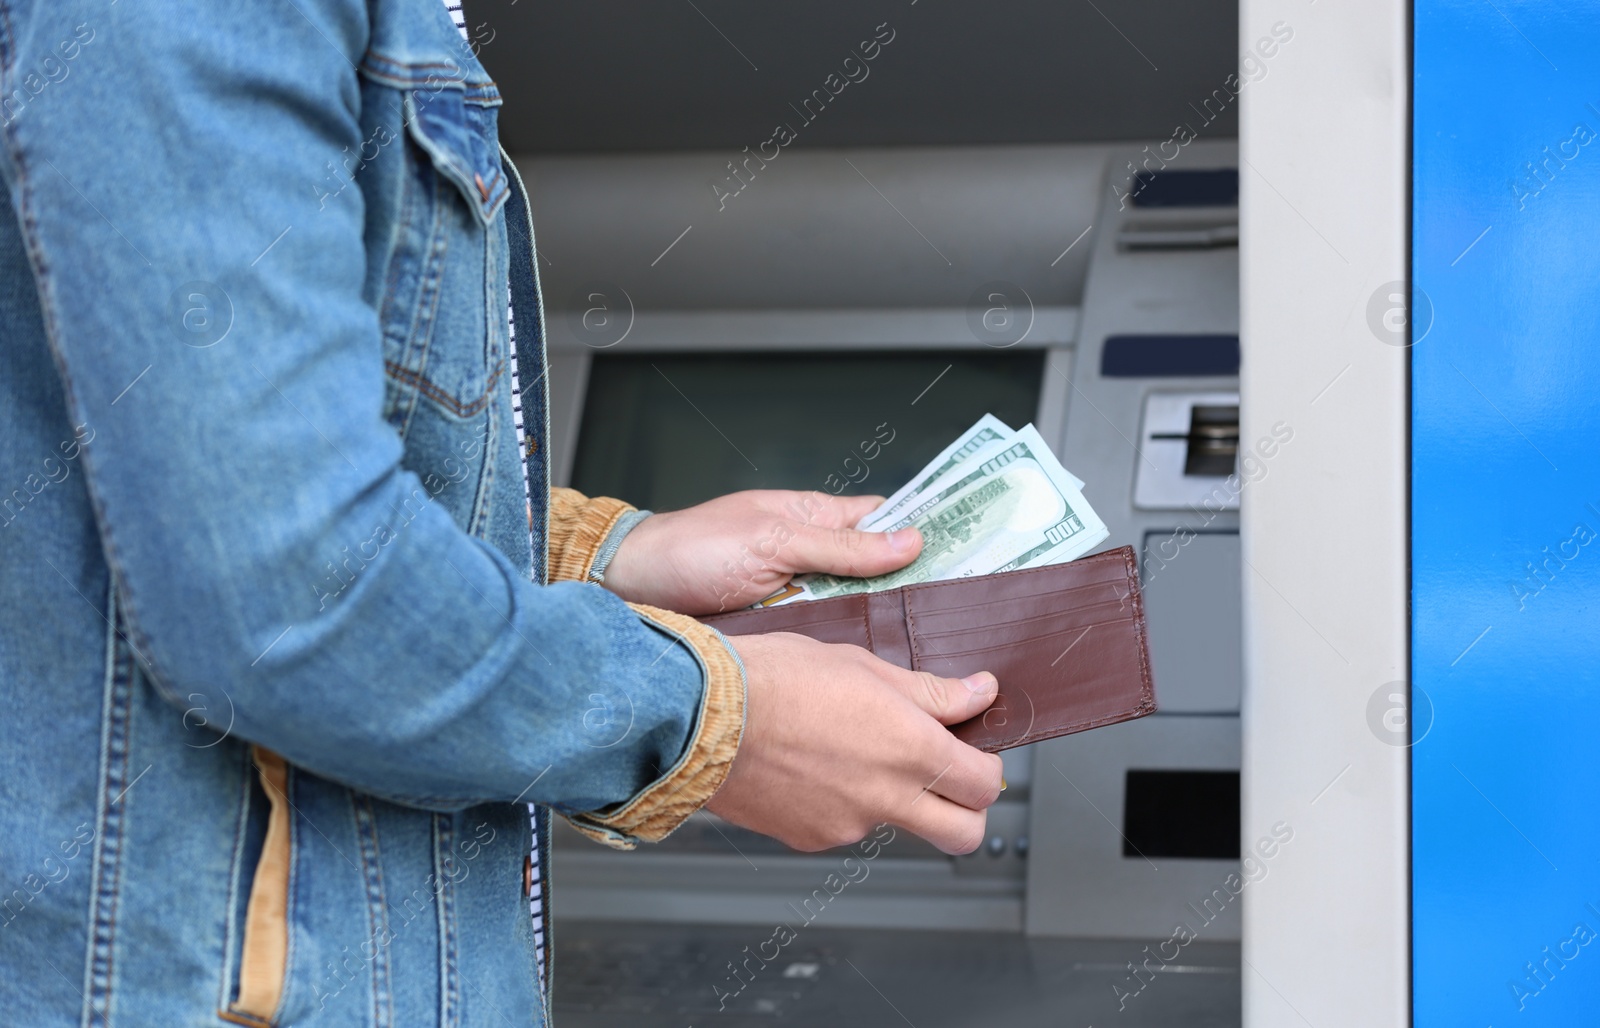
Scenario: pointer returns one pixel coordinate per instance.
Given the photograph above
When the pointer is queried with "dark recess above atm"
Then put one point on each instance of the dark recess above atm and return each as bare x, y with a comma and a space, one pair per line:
621, 75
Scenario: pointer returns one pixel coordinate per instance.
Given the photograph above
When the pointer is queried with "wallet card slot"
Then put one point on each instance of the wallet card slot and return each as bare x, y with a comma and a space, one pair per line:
888, 630
1100, 569
995, 640
1061, 602
928, 627
842, 620
924, 608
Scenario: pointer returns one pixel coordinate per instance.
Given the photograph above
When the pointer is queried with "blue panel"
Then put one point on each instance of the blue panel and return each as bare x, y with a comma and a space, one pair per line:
1506, 513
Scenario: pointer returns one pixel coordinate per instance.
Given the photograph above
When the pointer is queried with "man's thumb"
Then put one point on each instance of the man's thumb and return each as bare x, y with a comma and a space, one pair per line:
847, 552
949, 700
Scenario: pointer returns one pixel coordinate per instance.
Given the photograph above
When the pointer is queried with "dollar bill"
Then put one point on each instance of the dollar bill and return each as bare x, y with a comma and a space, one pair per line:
989, 429
1006, 506
981, 437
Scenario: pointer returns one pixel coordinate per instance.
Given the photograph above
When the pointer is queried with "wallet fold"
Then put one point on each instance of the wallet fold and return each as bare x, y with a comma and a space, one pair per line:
1068, 642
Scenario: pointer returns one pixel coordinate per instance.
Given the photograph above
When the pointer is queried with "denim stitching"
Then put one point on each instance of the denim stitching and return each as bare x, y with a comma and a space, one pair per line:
493, 356
427, 387
381, 67
430, 275
418, 332
387, 998
108, 855
366, 888
460, 78
7, 66
484, 502
444, 841
406, 403
377, 913
125, 674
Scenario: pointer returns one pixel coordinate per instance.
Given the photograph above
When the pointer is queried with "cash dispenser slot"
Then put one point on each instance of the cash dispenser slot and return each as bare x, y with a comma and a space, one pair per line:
1181, 813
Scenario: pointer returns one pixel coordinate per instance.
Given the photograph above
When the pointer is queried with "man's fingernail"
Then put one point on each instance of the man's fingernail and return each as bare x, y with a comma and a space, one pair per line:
1002, 783
903, 540
978, 682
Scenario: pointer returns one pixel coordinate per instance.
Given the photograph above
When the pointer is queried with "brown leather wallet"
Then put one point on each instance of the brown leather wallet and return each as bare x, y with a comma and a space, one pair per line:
1068, 642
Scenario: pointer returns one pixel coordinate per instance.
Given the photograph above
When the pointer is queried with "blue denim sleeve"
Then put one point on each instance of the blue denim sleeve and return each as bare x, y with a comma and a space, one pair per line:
180, 151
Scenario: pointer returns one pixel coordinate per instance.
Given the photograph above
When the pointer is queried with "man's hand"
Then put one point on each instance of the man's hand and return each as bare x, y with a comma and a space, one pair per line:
730, 552
837, 742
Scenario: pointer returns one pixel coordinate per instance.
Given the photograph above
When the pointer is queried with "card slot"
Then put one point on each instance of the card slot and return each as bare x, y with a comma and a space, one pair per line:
993, 645
922, 606
843, 621
989, 625
1047, 580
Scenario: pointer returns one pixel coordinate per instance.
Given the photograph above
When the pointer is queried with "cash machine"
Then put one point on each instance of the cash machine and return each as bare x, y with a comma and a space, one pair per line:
1112, 324
1275, 348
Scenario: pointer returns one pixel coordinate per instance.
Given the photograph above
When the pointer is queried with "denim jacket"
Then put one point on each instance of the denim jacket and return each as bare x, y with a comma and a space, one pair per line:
278, 662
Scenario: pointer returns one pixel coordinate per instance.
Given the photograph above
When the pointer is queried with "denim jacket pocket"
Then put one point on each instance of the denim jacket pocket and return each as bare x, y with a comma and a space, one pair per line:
262, 914
447, 364
445, 182
458, 129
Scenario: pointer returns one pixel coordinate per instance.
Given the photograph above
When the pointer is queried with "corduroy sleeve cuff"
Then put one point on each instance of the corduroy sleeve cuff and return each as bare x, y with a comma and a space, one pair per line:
579, 529
666, 803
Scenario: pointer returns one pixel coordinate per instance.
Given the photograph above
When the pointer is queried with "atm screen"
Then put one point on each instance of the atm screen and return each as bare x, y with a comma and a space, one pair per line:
665, 431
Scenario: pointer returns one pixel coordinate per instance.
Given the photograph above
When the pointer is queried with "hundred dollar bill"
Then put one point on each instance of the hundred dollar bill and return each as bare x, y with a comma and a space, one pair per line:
982, 436
1015, 506
989, 429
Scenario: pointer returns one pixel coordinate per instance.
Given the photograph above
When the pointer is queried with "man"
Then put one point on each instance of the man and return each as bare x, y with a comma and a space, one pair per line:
286, 637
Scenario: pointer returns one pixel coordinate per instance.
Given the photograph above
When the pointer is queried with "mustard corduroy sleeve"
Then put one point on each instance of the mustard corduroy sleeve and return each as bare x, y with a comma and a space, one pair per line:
579, 526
